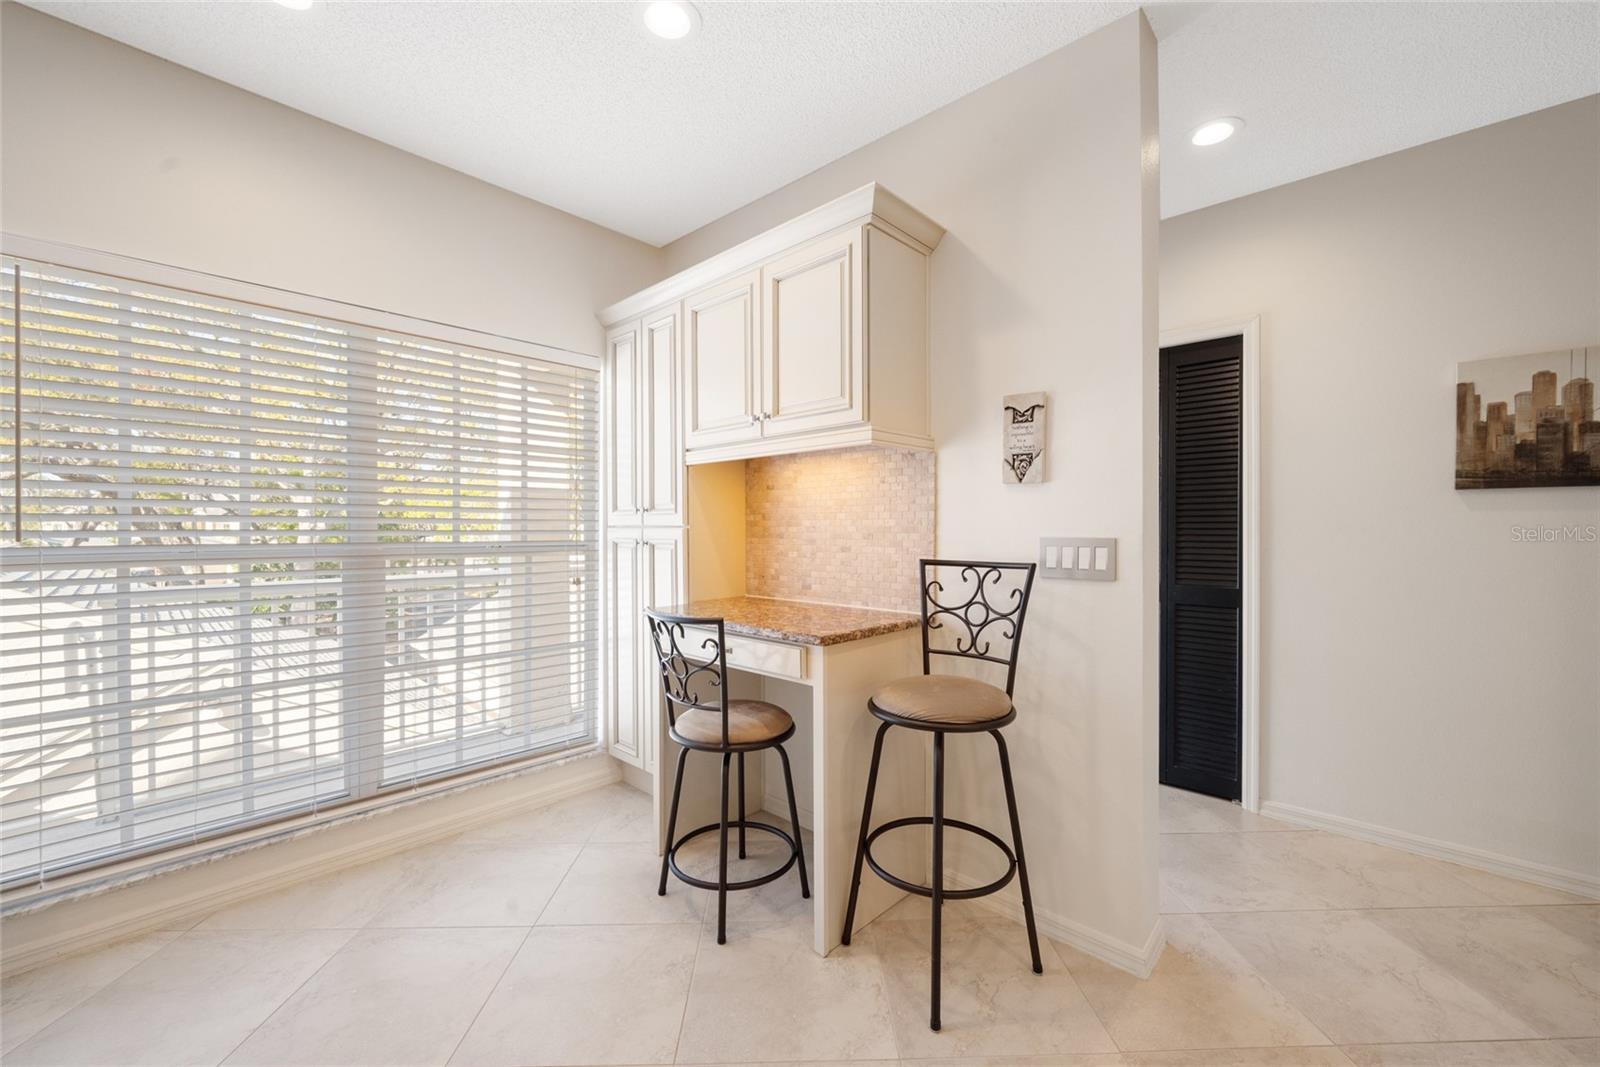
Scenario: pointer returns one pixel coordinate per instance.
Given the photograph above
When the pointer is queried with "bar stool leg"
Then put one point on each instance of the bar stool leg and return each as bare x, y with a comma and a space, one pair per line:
938, 871
722, 858
1016, 843
861, 842
672, 821
794, 823
741, 805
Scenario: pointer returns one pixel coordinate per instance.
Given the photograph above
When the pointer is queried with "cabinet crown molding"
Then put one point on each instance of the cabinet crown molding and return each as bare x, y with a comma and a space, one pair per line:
870, 201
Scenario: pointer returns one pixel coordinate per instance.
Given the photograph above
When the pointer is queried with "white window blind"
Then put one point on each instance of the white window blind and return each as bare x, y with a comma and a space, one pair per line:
257, 563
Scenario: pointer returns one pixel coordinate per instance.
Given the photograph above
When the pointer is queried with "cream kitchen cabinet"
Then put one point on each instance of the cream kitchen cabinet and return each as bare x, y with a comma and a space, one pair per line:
644, 569
724, 362
642, 468
620, 424
811, 350
812, 335
643, 420
778, 350
661, 418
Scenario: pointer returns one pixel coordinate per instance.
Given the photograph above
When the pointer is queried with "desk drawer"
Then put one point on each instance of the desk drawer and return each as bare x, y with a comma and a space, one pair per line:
766, 657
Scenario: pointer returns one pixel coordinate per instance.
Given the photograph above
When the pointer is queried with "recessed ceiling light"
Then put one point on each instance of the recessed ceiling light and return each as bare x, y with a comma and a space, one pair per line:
295, 5
1216, 131
672, 19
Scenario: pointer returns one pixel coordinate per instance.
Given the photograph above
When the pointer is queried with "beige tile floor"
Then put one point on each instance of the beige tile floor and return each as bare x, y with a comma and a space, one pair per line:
540, 940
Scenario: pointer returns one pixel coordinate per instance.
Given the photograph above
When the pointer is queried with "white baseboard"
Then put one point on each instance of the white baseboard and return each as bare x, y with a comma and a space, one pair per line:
1137, 960
779, 806
172, 899
1575, 882
642, 780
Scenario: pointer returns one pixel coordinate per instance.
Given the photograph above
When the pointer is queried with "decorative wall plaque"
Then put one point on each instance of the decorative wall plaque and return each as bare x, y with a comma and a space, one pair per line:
1023, 461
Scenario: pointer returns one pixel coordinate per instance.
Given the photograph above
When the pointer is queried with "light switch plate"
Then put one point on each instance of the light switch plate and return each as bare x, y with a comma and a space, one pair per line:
1088, 559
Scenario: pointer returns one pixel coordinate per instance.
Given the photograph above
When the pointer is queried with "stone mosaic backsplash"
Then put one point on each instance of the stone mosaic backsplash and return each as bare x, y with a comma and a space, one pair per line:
841, 527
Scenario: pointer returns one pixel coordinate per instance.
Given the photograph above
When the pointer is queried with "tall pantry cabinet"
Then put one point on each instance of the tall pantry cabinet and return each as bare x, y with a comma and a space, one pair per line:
643, 472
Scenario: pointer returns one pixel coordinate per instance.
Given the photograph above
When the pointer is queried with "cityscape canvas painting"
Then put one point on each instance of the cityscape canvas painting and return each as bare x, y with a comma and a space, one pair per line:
1527, 421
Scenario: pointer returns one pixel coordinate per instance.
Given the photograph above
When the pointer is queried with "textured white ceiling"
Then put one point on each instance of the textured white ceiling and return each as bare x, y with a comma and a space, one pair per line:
573, 104
1324, 85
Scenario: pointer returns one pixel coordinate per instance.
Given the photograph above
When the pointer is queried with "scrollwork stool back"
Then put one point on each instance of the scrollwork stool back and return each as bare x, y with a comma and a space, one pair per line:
981, 605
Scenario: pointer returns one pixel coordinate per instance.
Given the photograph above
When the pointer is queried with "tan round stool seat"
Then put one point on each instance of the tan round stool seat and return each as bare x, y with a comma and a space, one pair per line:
943, 698
749, 722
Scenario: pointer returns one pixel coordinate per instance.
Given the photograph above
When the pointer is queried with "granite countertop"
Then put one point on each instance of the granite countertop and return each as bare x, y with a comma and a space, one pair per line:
797, 621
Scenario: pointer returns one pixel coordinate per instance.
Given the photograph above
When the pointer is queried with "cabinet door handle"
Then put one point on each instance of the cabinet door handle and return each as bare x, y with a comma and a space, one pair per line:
754, 419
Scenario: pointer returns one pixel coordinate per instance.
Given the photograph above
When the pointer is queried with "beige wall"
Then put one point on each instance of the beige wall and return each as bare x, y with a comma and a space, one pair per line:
113, 149
1424, 671
1045, 280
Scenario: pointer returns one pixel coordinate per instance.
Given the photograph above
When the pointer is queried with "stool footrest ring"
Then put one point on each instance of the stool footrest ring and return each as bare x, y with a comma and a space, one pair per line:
733, 824
947, 894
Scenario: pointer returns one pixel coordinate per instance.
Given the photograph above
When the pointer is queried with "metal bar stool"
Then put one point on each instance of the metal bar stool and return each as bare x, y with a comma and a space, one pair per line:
727, 727
996, 599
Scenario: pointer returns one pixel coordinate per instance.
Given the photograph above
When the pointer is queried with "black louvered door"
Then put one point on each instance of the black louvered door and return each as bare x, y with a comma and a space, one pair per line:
1201, 418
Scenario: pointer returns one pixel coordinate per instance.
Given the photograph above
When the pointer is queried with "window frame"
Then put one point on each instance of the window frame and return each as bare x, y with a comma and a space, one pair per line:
184, 851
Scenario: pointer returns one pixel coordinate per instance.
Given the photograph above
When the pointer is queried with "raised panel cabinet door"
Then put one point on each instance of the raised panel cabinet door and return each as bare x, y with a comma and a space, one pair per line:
624, 639
660, 424
811, 366
621, 371
720, 334
661, 580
